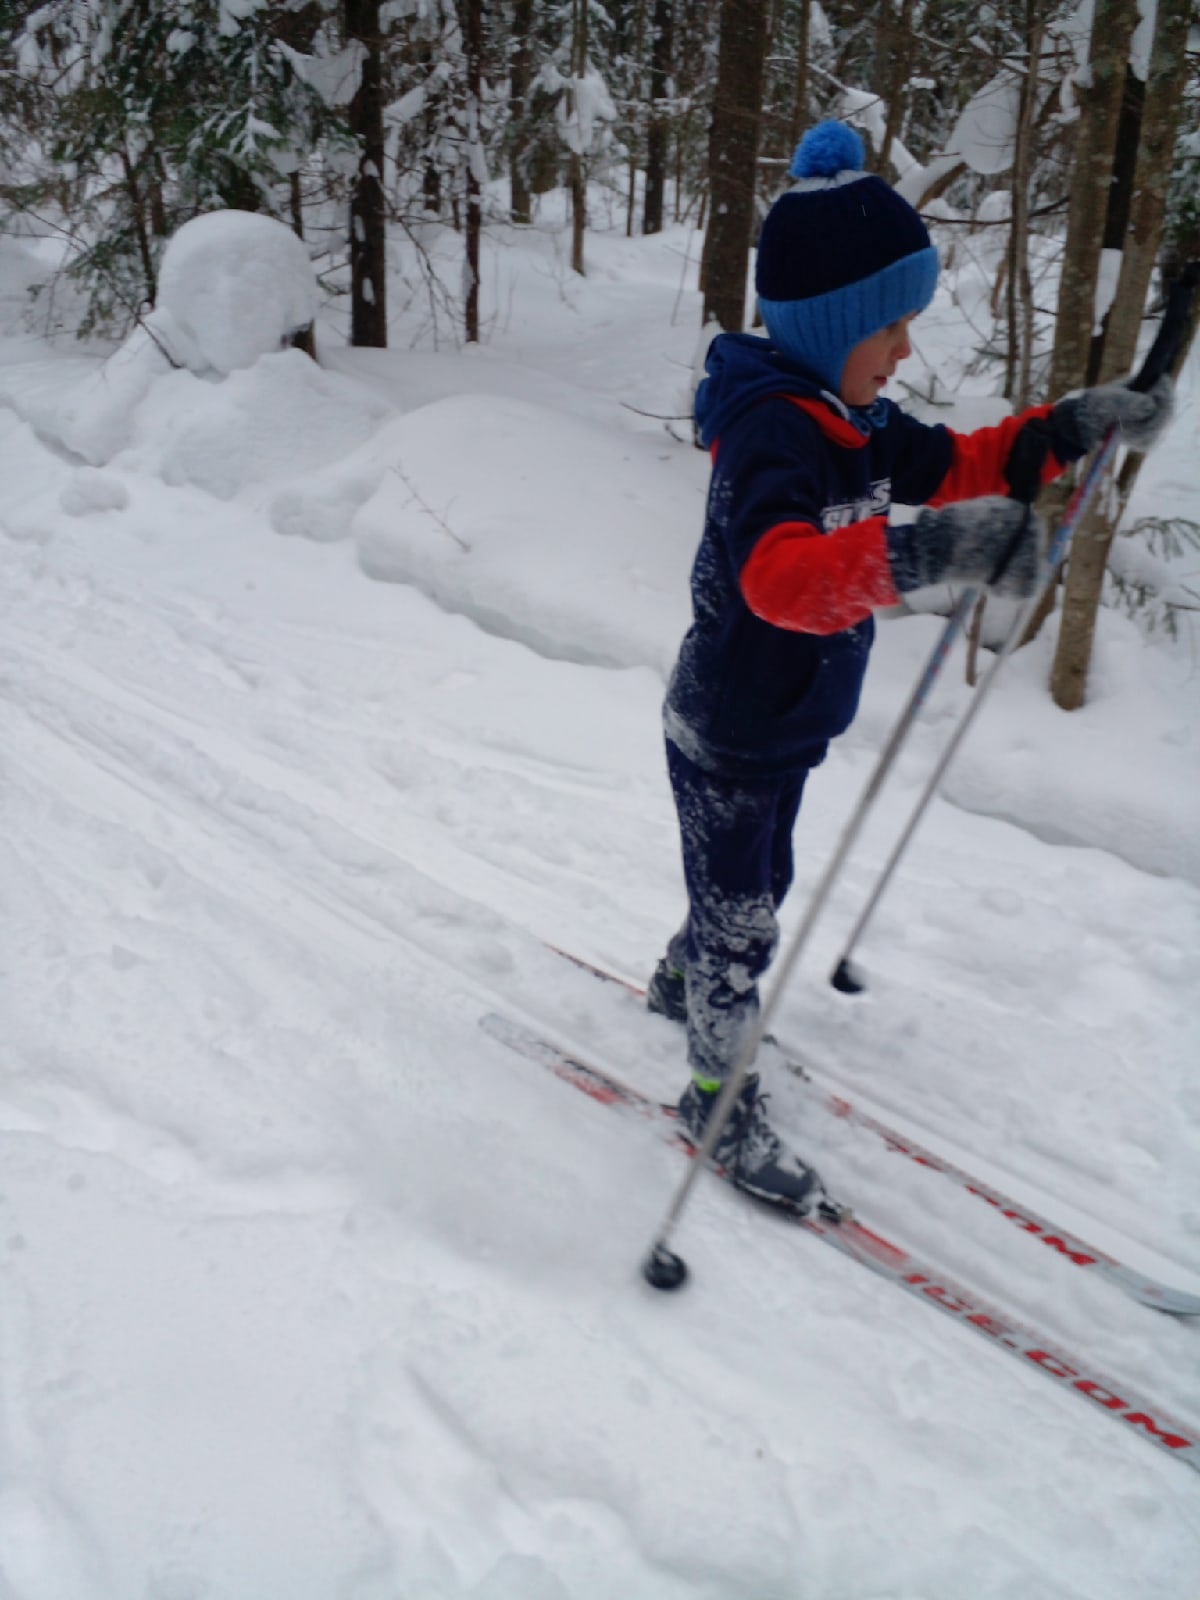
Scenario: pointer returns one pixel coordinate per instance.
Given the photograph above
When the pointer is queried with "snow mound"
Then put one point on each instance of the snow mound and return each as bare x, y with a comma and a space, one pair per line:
256, 425
539, 527
90, 490
83, 405
1053, 772
233, 286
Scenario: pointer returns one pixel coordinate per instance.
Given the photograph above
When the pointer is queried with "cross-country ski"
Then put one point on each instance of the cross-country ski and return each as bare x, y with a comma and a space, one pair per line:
881, 1255
1146, 1290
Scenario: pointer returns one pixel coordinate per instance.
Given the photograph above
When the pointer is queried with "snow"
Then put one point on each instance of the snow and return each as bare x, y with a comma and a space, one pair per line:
584, 107
1107, 280
1142, 43
985, 134
584, 552
313, 1289
233, 286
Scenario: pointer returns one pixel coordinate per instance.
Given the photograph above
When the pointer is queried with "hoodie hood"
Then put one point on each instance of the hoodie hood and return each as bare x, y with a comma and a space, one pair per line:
743, 369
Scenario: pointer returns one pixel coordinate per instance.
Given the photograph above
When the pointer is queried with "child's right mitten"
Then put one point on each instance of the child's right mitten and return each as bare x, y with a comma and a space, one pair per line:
993, 541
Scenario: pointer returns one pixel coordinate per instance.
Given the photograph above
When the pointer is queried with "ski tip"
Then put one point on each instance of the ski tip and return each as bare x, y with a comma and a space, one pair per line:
1160, 1297
663, 1269
846, 978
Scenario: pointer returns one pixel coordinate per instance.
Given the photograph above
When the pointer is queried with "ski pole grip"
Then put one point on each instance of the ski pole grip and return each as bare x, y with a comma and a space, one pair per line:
1172, 330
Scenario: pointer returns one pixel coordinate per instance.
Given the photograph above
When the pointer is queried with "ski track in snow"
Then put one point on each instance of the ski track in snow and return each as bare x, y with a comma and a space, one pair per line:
311, 1289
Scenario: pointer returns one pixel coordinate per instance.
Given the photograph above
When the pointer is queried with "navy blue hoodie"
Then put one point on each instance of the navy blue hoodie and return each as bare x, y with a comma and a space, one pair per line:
748, 696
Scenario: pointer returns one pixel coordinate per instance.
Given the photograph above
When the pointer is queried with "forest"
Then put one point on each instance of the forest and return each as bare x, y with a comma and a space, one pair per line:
1064, 135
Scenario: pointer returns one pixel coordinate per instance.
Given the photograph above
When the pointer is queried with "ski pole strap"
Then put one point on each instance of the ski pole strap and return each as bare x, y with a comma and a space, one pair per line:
1023, 469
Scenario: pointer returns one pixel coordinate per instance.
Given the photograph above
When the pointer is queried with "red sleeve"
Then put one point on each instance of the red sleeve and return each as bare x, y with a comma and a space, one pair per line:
977, 465
809, 582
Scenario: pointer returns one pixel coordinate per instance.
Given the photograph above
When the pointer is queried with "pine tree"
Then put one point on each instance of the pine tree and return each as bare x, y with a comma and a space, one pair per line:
149, 112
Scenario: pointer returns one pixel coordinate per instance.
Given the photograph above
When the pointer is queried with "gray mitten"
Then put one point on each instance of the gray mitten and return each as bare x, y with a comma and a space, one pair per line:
966, 542
1081, 420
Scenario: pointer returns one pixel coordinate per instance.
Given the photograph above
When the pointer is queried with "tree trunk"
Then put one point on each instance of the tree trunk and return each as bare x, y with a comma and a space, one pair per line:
296, 204
1018, 380
799, 120
1160, 121
1092, 544
141, 232
639, 39
1091, 175
895, 73
658, 129
578, 186
732, 160
368, 235
577, 170
158, 204
520, 77
1096, 138
471, 21
1120, 197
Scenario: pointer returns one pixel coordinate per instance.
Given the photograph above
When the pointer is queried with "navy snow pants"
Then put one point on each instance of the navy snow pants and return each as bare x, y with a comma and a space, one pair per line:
737, 863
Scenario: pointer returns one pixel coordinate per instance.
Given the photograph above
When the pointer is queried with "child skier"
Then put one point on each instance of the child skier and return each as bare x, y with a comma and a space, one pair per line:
796, 553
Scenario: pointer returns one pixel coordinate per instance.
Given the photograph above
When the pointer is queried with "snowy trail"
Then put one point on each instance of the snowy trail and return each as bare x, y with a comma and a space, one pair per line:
191, 773
240, 818
278, 791
255, 892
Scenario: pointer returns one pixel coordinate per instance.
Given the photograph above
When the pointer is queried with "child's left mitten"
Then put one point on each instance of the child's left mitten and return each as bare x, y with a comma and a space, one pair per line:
1079, 423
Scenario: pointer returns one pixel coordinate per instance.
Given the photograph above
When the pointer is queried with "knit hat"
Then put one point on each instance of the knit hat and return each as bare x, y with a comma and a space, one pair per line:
841, 255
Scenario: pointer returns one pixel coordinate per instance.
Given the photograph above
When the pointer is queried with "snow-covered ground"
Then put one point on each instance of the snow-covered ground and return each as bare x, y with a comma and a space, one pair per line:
328, 702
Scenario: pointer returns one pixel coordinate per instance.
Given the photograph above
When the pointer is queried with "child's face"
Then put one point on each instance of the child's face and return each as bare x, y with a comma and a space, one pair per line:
872, 362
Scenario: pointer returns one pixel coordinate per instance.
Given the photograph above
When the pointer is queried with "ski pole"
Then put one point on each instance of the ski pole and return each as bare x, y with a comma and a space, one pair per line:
1158, 361
844, 976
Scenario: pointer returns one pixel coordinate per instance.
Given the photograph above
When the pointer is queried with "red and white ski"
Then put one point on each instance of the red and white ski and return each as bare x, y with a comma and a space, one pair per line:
1139, 1286
882, 1256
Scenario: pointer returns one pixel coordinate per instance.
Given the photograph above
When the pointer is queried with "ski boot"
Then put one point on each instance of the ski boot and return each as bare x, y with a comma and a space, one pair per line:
749, 1152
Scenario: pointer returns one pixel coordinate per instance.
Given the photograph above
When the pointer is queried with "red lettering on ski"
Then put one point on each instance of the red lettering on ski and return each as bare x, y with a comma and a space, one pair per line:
1172, 1441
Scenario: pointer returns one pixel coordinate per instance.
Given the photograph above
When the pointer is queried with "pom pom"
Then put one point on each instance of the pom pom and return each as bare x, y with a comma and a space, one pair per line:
827, 149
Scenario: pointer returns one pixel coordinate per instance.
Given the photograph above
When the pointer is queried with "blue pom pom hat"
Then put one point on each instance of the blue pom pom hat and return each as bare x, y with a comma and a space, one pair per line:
841, 255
